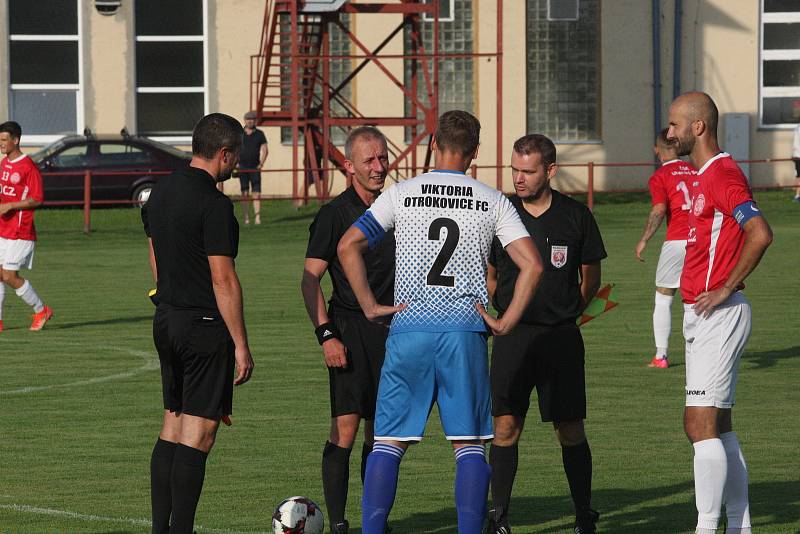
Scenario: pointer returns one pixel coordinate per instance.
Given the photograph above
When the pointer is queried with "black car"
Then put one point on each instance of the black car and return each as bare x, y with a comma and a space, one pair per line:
123, 167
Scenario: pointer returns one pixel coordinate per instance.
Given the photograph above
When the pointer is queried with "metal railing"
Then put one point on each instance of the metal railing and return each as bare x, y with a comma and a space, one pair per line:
89, 178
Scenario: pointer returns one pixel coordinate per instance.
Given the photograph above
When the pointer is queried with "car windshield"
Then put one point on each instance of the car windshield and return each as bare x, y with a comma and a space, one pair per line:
169, 149
47, 151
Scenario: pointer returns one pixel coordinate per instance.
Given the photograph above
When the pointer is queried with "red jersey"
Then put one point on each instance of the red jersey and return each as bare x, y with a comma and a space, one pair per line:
670, 185
19, 179
715, 238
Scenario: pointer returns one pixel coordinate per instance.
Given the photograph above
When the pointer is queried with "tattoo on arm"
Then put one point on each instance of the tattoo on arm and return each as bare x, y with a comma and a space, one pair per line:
653, 222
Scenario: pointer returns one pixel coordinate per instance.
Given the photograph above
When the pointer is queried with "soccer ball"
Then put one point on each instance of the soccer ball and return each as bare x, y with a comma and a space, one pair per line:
297, 515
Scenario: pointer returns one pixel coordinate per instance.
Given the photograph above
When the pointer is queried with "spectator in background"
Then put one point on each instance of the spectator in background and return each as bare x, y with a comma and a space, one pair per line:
251, 160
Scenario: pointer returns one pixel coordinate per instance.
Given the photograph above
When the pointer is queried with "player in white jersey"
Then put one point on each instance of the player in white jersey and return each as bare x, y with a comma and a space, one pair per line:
444, 223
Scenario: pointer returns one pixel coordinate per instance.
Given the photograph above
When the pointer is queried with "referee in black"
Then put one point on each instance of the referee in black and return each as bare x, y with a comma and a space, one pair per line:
352, 345
545, 350
198, 328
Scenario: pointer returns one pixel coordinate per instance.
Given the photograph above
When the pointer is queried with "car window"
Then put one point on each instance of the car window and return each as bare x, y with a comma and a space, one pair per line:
121, 155
71, 157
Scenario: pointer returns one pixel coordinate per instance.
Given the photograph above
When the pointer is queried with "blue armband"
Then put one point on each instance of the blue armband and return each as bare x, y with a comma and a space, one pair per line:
745, 211
371, 228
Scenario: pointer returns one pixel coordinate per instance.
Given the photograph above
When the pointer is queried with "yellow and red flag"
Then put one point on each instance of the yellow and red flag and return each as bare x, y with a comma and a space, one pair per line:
602, 302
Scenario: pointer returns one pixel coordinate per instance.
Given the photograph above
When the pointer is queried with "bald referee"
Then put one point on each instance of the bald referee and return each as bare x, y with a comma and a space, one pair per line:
198, 328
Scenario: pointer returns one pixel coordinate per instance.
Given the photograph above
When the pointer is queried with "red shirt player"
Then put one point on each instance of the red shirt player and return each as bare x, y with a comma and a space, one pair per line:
727, 238
20, 194
669, 189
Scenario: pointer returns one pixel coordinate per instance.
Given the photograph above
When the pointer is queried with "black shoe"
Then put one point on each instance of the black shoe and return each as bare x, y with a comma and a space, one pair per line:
342, 527
498, 523
585, 523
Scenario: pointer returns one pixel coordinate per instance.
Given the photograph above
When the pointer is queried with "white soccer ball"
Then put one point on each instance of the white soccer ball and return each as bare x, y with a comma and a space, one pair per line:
298, 515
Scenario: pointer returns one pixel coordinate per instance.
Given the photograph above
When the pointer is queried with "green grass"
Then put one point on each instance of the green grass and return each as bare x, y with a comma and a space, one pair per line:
81, 400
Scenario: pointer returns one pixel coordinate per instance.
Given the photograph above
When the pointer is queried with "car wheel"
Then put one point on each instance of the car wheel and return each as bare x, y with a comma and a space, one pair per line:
141, 194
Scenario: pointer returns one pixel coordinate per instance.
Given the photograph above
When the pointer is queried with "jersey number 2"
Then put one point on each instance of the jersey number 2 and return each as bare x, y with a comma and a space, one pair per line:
435, 276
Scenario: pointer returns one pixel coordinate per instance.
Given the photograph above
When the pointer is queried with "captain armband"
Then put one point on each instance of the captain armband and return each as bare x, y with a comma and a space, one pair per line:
327, 331
745, 211
371, 228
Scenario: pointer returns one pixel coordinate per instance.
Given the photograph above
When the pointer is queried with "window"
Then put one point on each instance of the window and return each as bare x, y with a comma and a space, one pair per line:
780, 63
563, 73
121, 155
45, 70
446, 11
455, 74
74, 157
338, 70
171, 66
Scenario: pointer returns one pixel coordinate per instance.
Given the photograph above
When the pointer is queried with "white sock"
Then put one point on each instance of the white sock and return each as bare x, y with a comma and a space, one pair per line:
2, 297
28, 294
710, 473
737, 505
662, 323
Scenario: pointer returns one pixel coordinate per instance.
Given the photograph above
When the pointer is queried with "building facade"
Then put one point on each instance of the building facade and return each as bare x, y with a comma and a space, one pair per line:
581, 72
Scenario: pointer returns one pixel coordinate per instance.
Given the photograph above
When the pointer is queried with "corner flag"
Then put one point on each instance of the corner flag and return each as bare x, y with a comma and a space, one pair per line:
602, 302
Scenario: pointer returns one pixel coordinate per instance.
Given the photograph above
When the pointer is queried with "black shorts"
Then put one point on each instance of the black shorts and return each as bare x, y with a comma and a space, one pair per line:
548, 358
797, 168
197, 361
250, 180
354, 389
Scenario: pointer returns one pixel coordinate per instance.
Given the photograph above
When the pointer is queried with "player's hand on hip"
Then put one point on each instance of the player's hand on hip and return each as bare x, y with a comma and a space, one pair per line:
708, 300
640, 246
244, 365
498, 326
4, 208
379, 312
335, 353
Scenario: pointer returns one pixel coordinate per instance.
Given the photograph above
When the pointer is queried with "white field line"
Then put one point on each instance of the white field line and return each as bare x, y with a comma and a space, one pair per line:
150, 363
23, 508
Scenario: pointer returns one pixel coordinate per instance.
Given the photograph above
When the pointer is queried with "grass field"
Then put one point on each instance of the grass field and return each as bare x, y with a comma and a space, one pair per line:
81, 400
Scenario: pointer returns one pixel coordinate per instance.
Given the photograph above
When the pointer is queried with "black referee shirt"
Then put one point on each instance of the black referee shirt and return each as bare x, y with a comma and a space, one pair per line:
567, 237
330, 224
189, 220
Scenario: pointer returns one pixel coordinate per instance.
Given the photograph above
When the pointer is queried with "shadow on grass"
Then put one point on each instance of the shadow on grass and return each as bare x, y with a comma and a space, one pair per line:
769, 358
771, 503
117, 320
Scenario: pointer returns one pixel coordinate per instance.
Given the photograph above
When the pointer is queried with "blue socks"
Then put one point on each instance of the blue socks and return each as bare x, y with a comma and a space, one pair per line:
472, 488
380, 486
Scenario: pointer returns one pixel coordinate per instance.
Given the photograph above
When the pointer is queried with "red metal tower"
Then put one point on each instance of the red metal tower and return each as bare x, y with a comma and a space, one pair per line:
291, 84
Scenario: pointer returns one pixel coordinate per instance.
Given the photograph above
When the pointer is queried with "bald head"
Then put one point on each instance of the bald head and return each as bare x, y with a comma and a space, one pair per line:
693, 121
698, 106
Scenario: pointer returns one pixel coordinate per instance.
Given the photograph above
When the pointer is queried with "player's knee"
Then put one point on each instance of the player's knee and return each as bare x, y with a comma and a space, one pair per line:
507, 430
570, 433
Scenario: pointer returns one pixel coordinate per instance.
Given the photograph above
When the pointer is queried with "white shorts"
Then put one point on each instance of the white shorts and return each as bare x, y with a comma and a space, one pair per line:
670, 264
714, 346
16, 254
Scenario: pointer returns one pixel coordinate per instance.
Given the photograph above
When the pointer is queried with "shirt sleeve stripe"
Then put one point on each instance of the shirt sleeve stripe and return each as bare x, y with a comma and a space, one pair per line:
372, 230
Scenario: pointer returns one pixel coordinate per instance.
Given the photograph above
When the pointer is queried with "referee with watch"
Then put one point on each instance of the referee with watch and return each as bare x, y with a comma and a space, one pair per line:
353, 346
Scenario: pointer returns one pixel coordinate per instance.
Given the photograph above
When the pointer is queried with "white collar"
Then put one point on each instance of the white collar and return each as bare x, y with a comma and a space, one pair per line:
670, 161
712, 160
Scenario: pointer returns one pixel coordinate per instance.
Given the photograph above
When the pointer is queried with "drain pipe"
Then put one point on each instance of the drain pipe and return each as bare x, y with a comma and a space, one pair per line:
676, 51
656, 66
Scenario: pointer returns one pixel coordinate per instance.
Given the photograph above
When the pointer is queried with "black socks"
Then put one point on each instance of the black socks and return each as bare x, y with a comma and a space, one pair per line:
335, 477
160, 492
503, 461
578, 468
188, 472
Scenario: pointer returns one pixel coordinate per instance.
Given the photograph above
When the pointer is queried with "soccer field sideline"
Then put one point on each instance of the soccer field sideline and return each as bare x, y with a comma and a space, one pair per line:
86, 445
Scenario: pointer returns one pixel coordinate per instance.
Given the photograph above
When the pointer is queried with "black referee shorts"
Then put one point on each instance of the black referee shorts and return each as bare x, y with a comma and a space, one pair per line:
548, 358
197, 361
354, 389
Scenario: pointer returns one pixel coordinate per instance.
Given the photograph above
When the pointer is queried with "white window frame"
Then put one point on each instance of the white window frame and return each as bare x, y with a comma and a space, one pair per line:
451, 18
178, 140
40, 140
767, 55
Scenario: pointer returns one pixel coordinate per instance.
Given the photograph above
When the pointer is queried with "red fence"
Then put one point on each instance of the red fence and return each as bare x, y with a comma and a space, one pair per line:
89, 178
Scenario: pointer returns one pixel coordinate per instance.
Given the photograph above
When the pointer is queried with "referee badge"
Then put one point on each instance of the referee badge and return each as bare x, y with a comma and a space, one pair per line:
558, 255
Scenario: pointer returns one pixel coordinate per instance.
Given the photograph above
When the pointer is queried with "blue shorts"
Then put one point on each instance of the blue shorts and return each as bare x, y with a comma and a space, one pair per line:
449, 368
